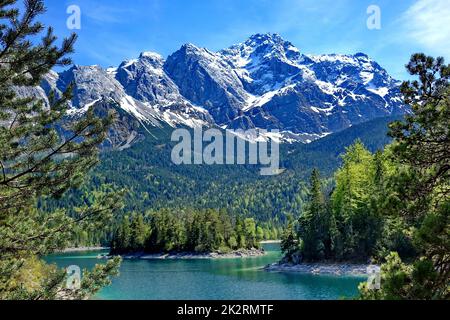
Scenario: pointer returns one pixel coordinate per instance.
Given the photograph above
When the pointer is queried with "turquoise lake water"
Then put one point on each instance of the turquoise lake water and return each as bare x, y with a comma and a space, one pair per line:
233, 279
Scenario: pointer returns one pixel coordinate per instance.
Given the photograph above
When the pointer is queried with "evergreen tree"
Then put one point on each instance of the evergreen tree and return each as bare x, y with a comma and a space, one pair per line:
184, 230
138, 233
421, 153
289, 241
314, 223
250, 233
36, 162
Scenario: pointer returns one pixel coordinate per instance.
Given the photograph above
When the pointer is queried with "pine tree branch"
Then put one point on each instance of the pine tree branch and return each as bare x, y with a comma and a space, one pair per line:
49, 156
3, 170
31, 12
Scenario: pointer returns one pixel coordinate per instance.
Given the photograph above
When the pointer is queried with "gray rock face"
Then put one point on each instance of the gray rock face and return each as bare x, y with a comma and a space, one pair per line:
208, 81
124, 132
91, 83
264, 82
35, 92
145, 79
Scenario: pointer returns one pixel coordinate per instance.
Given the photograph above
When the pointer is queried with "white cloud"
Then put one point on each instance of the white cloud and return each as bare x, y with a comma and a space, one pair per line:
427, 23
108, 14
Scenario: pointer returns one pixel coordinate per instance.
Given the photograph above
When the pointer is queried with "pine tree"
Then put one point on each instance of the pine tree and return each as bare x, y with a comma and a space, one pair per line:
138, 233
314, 223
36, 162
421, 153
289, 241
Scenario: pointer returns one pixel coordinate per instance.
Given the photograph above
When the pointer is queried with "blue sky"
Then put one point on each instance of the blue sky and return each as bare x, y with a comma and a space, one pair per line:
116, 30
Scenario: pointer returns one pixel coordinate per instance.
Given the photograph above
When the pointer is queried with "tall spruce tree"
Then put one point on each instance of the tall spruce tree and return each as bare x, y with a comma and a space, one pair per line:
314, 223
37, 162
289, 241
138, 233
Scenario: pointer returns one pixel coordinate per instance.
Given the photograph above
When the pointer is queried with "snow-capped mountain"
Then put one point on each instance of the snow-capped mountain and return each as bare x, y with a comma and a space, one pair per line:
264, 82
309, 95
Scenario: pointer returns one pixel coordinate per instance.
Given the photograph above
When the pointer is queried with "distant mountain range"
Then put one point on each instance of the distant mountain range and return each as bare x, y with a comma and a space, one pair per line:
264, 82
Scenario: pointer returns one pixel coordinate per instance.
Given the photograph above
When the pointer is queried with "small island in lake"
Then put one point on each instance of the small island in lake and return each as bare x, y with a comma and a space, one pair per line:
241, 253
203, 234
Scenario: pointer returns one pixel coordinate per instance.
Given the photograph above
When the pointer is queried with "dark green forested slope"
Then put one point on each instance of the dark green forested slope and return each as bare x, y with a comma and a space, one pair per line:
154, 182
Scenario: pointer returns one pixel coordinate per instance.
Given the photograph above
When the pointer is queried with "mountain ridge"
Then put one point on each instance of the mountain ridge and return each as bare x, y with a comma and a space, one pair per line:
264, 82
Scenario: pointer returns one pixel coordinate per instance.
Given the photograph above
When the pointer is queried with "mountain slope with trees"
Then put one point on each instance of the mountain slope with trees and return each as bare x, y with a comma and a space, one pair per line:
145, 170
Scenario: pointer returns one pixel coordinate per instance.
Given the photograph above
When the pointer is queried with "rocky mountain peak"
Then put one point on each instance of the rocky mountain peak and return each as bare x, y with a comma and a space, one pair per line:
264, 82
259, 47
265, 39
190, 49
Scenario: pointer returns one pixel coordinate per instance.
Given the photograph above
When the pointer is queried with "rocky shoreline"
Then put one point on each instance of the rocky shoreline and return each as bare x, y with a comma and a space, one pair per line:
242, 253
320, 268
82, 249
